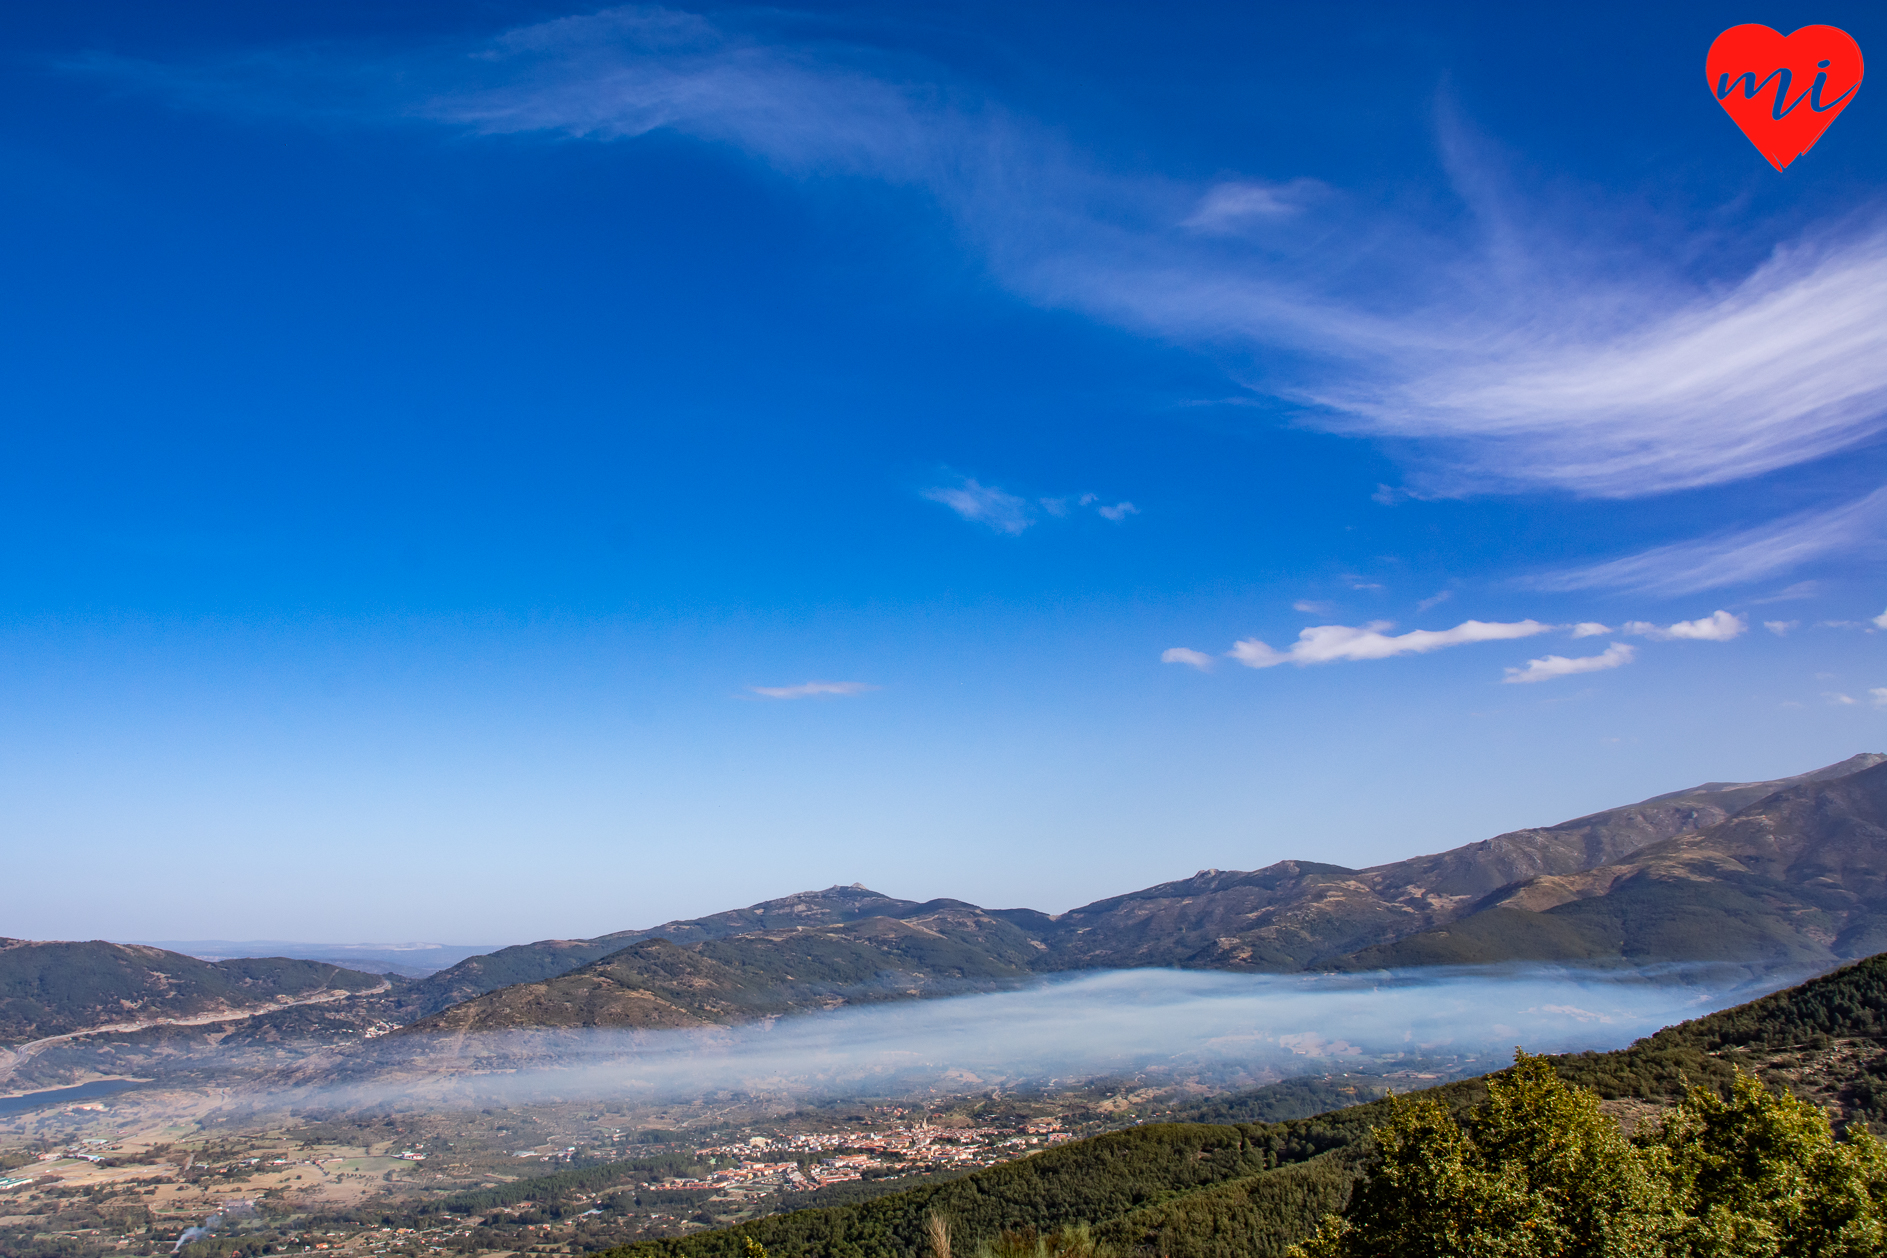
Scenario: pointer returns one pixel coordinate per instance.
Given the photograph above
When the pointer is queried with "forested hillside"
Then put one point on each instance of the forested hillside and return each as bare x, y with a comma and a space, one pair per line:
939, 948
54, 988
546, 959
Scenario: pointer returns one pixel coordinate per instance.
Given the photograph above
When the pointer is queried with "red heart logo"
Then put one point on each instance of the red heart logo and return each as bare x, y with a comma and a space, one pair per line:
1784, 90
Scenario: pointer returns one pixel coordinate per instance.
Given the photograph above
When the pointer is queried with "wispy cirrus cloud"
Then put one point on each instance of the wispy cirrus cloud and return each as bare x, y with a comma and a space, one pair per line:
814, 690
1244, 205
1012, 514
1800, 590
1323, 644
1548, 667
1736, 558
985, 505
1507, 364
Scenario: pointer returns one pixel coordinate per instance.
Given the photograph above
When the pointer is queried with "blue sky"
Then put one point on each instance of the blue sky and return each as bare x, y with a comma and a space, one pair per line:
446, 443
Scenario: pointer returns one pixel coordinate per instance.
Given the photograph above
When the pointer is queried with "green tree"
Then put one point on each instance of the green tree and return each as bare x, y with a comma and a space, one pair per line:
1761, 1175
1537, 1172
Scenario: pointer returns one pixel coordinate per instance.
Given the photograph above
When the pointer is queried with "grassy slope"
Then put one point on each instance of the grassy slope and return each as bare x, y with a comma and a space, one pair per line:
1191, 1190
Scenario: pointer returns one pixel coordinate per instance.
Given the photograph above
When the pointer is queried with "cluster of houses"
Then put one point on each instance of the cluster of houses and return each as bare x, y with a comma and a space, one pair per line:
815, 1159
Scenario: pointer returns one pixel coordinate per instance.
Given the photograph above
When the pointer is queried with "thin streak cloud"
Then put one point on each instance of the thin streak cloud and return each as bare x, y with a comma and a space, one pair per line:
1739, 558
813, 690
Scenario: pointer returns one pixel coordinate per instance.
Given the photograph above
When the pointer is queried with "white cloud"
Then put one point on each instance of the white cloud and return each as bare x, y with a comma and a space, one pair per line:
1589, 629
813, 690
1879, 695
1781, 627
1312, 607
1575, 360
1321, 644
1880, 621
1719, 626
1434, 600
1119, 511
1548, 667
1838, 700
1736, 558
983, 504
1181, 655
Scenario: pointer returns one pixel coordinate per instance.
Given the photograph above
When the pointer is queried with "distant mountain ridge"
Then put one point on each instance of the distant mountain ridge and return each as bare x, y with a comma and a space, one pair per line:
845, 944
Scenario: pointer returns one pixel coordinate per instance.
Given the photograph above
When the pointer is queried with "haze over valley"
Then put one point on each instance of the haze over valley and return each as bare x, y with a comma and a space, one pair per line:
1704, 895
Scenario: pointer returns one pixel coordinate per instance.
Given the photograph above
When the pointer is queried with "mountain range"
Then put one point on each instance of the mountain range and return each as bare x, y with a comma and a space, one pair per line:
1790, 872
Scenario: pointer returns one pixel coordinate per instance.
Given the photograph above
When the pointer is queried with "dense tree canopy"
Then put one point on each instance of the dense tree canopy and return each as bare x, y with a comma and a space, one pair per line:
1538, 1171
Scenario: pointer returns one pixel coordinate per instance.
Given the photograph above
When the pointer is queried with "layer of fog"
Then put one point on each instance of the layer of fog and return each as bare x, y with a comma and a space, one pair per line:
1158, 1025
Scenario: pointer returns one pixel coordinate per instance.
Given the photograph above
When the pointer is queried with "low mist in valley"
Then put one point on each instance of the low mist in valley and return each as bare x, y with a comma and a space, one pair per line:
1214, 1030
